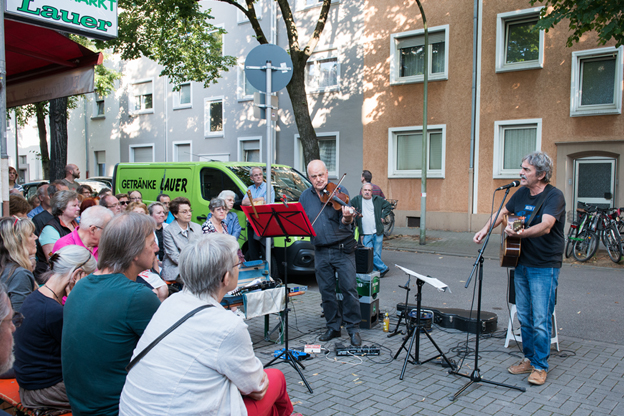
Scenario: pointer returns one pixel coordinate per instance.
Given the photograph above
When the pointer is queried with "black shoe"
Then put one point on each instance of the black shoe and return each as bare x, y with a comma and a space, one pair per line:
385, 272
330, 334
356, 341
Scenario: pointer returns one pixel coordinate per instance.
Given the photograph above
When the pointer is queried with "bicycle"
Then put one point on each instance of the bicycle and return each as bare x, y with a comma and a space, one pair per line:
585, 240
388, 220
576, 228
607, 229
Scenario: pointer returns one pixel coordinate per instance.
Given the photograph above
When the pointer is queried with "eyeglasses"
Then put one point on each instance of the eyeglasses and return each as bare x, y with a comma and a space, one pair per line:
190, 211
17, 319
221, 209
124, 202
238, 265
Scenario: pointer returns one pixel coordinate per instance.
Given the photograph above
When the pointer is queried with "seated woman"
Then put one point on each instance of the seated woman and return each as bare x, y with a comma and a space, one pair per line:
178, 235
216, 222
38, 340
17, 247
231, 220
65, 209
207, 365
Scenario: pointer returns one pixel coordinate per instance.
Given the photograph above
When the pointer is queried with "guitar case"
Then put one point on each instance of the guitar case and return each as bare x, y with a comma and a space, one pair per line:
458, 318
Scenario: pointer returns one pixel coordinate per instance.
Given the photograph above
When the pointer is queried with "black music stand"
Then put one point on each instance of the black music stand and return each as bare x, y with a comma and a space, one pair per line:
475, 375
414, 331
282, 220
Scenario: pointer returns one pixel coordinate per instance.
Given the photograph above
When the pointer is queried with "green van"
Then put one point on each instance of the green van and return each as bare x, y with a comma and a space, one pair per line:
202, 181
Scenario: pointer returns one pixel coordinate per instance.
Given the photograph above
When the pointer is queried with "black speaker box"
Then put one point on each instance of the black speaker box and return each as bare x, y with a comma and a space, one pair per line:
364, 260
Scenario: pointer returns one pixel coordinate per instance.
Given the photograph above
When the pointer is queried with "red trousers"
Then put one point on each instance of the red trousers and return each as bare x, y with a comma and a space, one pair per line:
275, 402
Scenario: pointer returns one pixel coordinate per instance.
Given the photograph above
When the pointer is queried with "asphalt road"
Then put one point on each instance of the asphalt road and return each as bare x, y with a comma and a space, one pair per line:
589, 300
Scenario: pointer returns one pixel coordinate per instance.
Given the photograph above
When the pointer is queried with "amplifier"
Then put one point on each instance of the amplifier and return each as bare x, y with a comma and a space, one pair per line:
364, 260
342, 351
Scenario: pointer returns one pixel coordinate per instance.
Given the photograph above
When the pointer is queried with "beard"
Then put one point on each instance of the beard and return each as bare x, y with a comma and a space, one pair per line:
9, 364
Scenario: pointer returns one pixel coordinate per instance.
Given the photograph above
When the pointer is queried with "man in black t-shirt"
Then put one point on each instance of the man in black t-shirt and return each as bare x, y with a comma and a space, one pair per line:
537, 272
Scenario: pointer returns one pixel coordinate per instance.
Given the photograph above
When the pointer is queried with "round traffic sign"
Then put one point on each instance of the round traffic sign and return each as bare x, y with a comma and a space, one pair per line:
281, 64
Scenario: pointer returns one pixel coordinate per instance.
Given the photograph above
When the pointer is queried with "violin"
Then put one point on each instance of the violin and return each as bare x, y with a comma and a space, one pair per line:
331, 194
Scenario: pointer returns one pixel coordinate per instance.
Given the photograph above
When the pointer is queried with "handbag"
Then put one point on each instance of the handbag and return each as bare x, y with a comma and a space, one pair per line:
163, 335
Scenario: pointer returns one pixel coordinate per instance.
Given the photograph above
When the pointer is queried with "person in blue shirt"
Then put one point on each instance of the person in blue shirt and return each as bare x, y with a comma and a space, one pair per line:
258, 194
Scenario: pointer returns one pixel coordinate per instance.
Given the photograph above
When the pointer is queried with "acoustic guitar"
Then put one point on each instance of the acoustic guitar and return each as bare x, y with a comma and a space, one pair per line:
510, 246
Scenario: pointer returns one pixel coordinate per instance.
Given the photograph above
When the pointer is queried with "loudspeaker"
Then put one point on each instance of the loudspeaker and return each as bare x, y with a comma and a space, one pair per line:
370, 314
364, 260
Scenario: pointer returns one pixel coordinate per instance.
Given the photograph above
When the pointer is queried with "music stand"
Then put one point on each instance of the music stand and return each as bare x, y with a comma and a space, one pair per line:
282, 220
475, 375
414, 331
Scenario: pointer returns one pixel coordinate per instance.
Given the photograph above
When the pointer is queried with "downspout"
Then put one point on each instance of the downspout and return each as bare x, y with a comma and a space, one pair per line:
4, 156
86, 128
475, 110
167, 119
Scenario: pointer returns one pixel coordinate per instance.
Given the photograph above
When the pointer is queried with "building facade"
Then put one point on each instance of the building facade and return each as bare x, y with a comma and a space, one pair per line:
497, 90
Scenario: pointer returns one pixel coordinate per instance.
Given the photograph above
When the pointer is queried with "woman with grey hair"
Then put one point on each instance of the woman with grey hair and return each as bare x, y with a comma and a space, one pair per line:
65, 209
216, 222
38, 341
231, 220
207, 365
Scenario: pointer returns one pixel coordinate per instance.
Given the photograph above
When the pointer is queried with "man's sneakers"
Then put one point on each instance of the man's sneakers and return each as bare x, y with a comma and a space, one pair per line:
538, 377
523, 367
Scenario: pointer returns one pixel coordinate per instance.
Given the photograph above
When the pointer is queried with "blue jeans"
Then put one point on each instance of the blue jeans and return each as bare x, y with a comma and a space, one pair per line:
376, 242
535, 301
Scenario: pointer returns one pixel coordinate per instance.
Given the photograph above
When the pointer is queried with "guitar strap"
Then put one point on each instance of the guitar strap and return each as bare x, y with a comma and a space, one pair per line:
539, 204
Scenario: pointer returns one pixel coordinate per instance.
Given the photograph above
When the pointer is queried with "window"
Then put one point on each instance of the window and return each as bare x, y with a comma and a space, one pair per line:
218, 36
141, 97
245, 91
405, 155
214, 181
596, 82
322, 75
23, 159
513, 140
98, 106
518, 45
249, 149
213, 117
184, 97
182, 152
309, 4
142, 153
328, 148
100, 163
242, 18
407, 55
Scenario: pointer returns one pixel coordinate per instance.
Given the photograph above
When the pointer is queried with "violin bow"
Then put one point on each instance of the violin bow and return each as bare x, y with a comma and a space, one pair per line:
330, 197
252, 204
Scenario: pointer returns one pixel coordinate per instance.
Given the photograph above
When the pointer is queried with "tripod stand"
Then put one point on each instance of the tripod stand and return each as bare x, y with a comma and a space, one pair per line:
475, 376
404, 313
286, 220
413, 334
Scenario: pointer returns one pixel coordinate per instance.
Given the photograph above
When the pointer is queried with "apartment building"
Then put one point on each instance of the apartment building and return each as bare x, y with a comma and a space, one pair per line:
497, 90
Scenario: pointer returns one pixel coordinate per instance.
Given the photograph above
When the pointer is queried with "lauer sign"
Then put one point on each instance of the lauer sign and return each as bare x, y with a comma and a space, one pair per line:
90, 18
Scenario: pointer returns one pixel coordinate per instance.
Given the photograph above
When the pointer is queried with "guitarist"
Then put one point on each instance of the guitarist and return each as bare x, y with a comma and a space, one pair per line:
539, 264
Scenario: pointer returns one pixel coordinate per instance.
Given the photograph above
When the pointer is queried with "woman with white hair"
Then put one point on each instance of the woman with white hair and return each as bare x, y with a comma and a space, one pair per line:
207, 365
231, 220
17, 247
38, 340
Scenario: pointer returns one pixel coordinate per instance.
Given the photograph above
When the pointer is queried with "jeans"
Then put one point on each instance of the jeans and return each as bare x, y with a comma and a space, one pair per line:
328, 261
535, 301
376, 242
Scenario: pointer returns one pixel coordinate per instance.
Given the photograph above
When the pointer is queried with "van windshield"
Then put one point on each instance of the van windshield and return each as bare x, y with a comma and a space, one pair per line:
286, 181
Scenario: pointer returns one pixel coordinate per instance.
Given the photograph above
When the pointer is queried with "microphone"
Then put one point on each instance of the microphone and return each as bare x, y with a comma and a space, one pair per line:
509, 185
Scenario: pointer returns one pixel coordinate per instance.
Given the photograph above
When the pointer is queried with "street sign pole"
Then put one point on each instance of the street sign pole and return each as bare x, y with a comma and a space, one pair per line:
269, 154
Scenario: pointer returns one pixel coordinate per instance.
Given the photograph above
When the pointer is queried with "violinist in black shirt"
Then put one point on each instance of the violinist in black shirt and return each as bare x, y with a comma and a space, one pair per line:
334, 248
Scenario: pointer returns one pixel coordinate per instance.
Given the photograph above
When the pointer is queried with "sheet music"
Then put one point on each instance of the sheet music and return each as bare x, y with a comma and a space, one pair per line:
431, 280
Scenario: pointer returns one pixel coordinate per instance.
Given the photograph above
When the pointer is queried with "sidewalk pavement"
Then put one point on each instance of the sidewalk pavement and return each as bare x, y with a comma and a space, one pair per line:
585, 378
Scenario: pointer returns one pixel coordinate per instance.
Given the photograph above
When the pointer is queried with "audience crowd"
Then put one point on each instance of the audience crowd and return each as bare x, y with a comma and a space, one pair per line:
83, 293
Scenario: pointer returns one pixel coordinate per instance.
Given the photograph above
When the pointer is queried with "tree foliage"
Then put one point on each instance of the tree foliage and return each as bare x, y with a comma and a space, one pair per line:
176, 34
605, 17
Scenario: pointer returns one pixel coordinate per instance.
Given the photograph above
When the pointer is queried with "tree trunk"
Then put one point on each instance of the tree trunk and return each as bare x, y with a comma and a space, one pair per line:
43, 139
299, 100
58, 138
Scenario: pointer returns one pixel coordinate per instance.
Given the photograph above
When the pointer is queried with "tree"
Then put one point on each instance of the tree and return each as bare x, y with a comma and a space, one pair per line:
604, 17
296, 88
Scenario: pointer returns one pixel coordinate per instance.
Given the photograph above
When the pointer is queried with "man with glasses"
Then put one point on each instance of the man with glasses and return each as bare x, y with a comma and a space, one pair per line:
135, 196
258, 192
112, 203
92, 222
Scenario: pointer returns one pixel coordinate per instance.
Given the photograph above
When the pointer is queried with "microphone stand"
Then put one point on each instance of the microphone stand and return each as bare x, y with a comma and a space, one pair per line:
475, 376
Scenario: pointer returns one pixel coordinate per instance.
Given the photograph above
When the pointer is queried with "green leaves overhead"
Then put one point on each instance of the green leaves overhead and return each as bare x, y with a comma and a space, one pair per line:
605, 17
175, 34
